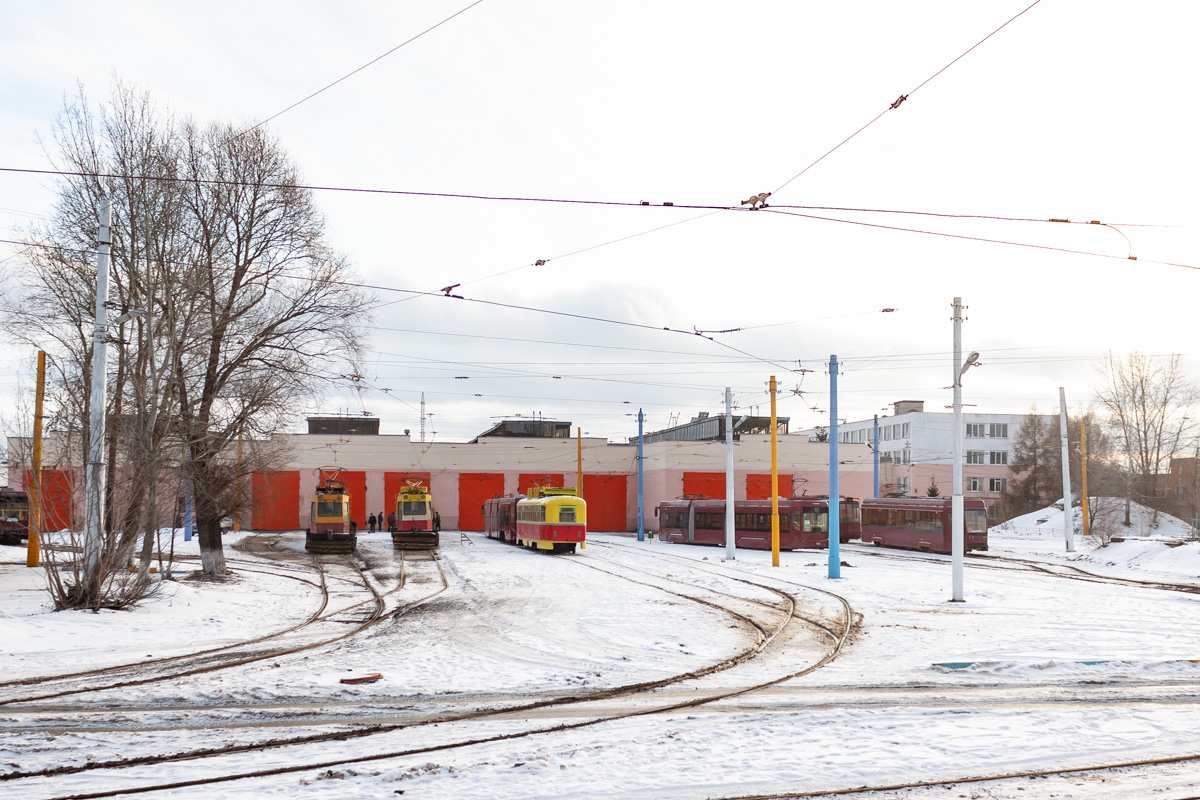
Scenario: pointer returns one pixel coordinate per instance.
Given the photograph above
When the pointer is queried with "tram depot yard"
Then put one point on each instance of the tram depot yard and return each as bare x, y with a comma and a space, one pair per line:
492, 671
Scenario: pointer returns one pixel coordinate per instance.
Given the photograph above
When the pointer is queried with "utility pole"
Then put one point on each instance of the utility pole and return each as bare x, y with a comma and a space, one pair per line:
1066, 470
957, 537
875, 454
95, 477
730, 545
641, 484
1083, 473
835, 507
774, 483
33, 551
422, 416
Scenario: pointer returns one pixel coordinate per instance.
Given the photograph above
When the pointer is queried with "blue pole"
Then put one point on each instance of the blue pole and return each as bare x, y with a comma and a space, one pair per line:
641, 485
875, 451
187, 512
835, 506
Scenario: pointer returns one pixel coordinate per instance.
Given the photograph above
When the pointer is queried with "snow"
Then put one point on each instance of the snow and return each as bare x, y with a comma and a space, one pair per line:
1033, 672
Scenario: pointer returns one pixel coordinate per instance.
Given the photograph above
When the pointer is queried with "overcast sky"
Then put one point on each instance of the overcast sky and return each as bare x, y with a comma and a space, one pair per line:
1074, 110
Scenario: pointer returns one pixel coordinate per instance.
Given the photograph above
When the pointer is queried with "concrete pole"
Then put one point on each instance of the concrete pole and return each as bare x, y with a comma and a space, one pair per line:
730, 545
641, 483
1083, 473
875, 455
95, 477
957, 543
835, 508
1068, 528
774, 483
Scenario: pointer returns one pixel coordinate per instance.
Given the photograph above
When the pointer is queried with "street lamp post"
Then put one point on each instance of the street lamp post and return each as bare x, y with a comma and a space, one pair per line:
957, 544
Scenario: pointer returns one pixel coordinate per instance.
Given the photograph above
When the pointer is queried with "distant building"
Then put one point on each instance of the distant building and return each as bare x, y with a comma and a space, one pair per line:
706, 428
919, 445
365, 425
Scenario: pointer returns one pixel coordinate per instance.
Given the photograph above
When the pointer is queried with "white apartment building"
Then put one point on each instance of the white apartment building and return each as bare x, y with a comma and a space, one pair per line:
916, 449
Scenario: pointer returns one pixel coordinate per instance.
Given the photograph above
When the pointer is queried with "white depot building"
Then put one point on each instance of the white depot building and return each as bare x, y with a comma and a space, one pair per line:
918, 448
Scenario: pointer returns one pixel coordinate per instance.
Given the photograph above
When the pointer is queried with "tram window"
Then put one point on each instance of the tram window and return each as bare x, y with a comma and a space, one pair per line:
414, 508
975, 520
329, 509
566, 514
816, 521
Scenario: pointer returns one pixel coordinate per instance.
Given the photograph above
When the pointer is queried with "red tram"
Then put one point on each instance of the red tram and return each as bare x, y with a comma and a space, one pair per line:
922, 523
551, 519
14, 516
803, 522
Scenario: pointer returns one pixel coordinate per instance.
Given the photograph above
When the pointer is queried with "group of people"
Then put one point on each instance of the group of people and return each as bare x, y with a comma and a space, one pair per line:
374, 522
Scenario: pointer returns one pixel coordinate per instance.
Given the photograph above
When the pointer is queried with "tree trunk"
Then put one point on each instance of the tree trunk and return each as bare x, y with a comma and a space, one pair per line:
212, 554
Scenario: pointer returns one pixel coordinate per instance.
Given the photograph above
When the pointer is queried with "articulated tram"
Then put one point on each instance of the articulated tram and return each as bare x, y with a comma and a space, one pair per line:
330, 529
414, 528
803, 522
549, 518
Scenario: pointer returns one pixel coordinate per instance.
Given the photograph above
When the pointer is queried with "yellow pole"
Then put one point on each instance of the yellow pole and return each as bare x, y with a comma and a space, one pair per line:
774, 484
33, 553
1083, 472
579, 462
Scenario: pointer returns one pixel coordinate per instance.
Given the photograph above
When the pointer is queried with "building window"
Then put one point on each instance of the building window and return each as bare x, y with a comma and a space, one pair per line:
998, 430
975, 457
974, 484
998, 457
906, 429
997, 485
974, 430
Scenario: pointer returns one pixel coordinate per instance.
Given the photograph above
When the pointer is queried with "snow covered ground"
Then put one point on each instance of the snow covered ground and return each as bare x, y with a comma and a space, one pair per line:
1034, 671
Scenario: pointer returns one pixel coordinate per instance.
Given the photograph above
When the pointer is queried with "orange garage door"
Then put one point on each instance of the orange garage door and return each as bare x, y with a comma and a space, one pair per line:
606, 497
57, 506
758, 487
276, 501
706, 484
473, 489
529, 479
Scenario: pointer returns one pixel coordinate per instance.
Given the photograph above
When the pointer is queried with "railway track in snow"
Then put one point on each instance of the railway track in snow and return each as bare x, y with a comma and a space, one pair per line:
235, 654
775, 616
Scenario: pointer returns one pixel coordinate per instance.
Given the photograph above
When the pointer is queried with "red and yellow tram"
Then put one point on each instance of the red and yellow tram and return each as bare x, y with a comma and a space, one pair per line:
413, 528
922, 523
552, 519
803, 522
330, 529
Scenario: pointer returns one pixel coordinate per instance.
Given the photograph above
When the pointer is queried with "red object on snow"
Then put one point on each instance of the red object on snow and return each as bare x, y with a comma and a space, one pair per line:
374, 676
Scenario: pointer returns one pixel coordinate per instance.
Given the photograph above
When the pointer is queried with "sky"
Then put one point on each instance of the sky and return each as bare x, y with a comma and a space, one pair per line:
1072, 110
1031, 672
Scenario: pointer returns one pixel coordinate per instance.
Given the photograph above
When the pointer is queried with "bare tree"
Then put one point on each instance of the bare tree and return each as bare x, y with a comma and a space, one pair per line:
241, 309
1147, 399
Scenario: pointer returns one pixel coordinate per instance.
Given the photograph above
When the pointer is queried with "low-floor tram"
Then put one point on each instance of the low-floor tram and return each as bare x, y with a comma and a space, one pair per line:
413, 528
803, 522
548, 518
330, 529
922, 523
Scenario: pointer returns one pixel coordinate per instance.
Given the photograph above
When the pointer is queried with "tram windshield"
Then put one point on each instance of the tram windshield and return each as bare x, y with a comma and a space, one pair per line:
326, 508
975, 520
413, 508
811, 520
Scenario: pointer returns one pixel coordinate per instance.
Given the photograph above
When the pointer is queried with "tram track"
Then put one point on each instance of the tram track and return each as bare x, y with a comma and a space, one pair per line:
508, 711
376, 602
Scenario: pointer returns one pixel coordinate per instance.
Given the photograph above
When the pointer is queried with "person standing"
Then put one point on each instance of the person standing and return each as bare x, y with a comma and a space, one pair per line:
371, 523
391, 521
437, 522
